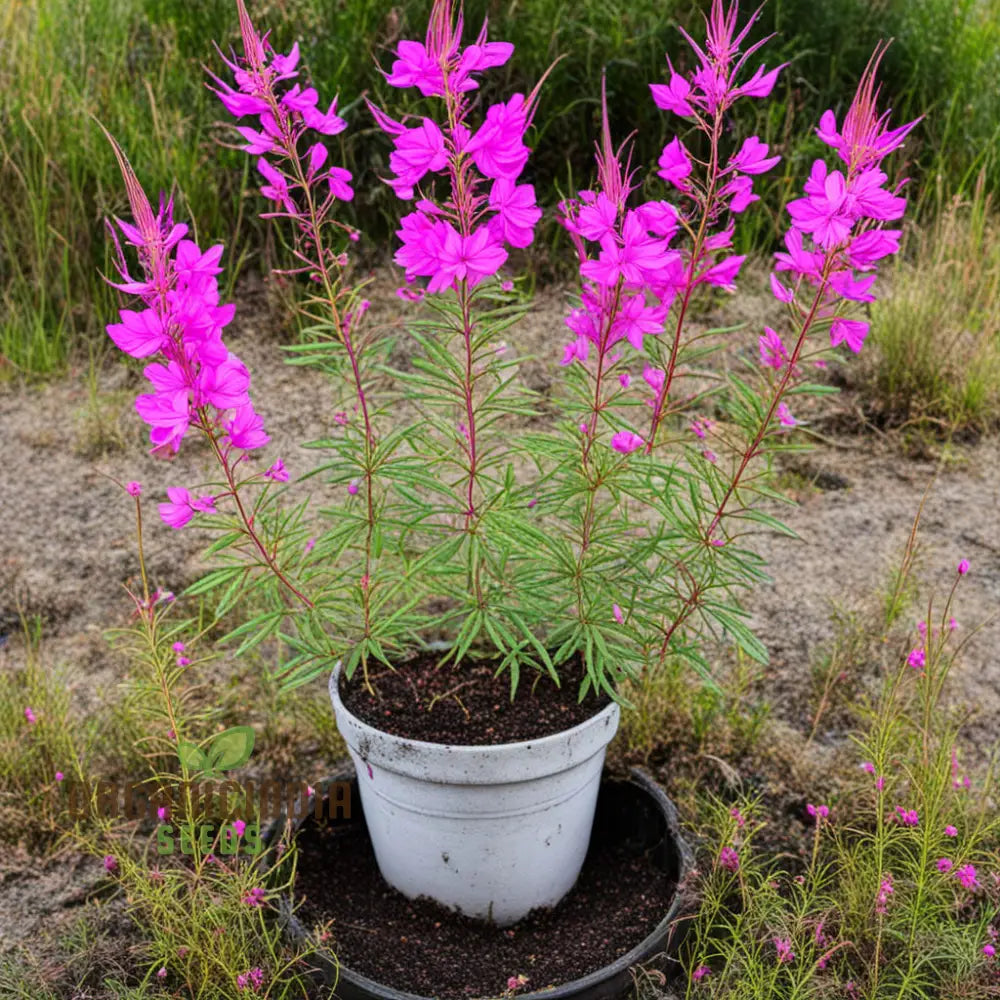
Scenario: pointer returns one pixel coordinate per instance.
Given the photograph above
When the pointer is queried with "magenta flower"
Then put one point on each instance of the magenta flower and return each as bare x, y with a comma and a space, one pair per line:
785, 417
60, 776
783, 947
885, 890
989, 951
133, 488
772, 350
818, 812
950, 831
944, 864
617, 613
916, 659
729, 859
675, 165
110, 863
908, 817
967, 876
255, 897
701, 972
277, 472
626, 442
30, 716
963, 567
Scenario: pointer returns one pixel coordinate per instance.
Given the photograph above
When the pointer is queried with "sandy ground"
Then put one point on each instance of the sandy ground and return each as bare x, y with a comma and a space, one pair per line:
67, 535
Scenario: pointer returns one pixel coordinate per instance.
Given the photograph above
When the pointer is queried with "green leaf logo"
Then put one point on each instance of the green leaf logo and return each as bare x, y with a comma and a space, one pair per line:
230, 749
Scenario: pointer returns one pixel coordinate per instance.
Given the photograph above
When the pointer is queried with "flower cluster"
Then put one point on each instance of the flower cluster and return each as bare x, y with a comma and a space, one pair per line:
197, 381
462, 236
630, 272
252, 980
885, 890
837, 236
285, 114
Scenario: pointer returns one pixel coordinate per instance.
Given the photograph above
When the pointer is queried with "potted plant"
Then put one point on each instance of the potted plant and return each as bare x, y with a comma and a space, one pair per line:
571, 555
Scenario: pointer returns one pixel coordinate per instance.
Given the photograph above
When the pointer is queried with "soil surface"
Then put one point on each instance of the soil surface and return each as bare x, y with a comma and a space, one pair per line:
467, 704
420, 947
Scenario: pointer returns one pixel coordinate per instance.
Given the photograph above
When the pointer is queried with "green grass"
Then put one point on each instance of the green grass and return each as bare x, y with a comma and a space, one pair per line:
137, 66
935, 361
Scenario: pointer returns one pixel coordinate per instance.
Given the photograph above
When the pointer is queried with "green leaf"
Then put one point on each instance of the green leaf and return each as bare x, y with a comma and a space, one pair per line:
192, 757
231, 748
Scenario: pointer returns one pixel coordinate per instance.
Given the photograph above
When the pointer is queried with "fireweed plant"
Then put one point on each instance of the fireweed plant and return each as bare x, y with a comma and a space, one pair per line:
615, 537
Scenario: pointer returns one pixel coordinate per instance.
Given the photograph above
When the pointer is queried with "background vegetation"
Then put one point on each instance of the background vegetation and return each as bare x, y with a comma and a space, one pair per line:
138, 66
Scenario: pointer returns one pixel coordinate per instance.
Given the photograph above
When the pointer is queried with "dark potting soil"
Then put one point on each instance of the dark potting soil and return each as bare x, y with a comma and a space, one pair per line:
465, 704
418, 946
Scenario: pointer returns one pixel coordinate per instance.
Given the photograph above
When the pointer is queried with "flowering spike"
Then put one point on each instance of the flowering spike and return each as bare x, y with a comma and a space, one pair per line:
142, 211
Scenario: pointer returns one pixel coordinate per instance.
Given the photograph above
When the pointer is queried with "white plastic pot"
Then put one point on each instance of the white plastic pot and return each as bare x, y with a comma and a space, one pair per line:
493, 831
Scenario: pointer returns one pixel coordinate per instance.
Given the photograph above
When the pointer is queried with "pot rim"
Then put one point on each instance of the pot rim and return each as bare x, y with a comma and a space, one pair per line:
536, 745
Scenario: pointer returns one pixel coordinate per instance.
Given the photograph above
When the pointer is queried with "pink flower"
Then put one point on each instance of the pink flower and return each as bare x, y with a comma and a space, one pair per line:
989, 951
255, 897
963, 567
738, 816
908, 817
498, 148
752, 157
851, 331
617, 613
944, 864
950, 831
277, 472
675, 164
239, 827
133, 488
885, 890
772, 350
30, 716
246, 429
162, 973
110, 863
868, 766
967, 876
163, 813
818, 812
60, 776
785, 417
916, 659
729, 859
626, 442
701, 972
783, 946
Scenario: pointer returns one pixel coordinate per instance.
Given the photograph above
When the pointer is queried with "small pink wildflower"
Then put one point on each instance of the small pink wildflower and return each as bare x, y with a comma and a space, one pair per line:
868, 766
729, 859
626, 442
783, 946
110, 863
818, 812
967, 876
880, 782
885, 890
963, 567
952, 624
30, 716
516, 982
133, 488
239, 827
255, 897
617, 612
709, 456
352, 487
738, 816
277, 472
785, 417
60, 776
701, 972
950, 831
908, 817
989, 951
916, 659
625, 380
162, 973
944, 864
178, 647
